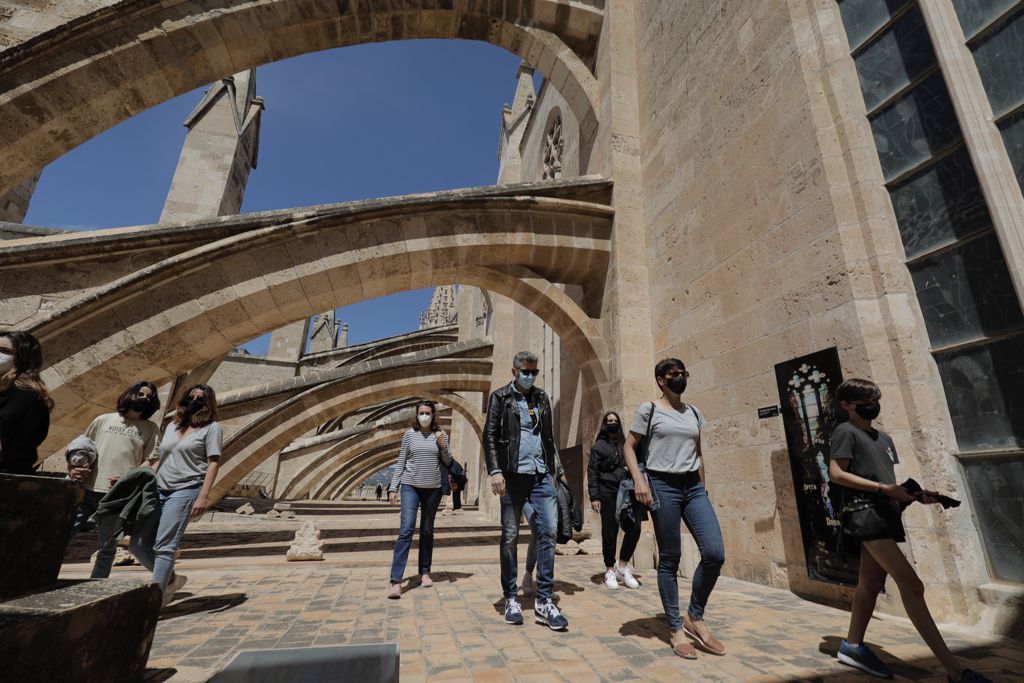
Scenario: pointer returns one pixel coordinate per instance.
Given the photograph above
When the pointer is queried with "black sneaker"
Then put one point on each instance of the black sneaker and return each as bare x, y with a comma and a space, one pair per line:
968, 676
861, 657
513, 612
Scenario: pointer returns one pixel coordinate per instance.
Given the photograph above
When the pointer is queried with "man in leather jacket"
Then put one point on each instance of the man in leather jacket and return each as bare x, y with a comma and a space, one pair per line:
519, 446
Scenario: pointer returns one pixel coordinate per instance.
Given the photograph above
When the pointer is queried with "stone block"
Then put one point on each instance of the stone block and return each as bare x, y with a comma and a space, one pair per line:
245, 509
570, 548
273, 514
591, 546
36, 514
646, 554
281, 507
307, 544
84, 631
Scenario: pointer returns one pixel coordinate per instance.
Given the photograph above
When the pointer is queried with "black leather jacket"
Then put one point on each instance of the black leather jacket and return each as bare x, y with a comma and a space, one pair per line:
501, 433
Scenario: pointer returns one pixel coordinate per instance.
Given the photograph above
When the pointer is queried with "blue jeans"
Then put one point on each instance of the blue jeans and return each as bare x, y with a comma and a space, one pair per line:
85, 511
414, 498
155, 542
531, 550
539, 491
140, 545
683, 496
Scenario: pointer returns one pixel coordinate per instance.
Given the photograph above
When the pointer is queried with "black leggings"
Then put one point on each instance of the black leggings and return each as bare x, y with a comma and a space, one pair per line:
610, 529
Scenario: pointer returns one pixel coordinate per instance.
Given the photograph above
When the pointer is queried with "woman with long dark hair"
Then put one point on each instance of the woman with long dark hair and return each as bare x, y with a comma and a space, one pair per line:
189, 458
418, 474
25, 403
670, 430
606, 467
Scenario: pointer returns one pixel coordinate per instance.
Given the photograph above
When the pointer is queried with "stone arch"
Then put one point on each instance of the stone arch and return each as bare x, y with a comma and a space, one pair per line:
301, 413
334, 456
352, 459
68, 84
344, 484
197, 305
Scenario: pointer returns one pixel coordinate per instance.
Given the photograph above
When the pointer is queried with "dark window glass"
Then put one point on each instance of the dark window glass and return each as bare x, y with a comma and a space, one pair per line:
966, 293
863, 17
976, 14
984, 388
998, 486
940, 205
1013, 136
1000, 58
915, 127
895, 59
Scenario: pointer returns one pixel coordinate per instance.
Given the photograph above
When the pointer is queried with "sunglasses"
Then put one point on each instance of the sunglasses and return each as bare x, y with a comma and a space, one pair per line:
529, 373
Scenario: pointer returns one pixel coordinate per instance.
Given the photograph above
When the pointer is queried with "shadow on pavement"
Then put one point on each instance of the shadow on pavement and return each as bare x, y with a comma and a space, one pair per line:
204, 603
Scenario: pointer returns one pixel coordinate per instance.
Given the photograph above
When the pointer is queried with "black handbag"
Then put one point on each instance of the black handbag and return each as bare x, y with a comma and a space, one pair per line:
870, 519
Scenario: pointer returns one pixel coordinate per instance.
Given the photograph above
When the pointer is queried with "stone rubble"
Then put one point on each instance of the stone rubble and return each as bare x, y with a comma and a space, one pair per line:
307, 544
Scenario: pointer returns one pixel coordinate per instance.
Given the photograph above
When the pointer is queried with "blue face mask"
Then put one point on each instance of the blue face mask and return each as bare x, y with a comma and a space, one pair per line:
526, 381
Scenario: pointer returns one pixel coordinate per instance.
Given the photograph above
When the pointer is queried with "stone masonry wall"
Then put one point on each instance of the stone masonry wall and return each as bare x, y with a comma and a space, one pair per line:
769, 237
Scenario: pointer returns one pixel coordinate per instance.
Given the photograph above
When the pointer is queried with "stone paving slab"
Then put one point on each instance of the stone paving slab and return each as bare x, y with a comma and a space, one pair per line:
242, 595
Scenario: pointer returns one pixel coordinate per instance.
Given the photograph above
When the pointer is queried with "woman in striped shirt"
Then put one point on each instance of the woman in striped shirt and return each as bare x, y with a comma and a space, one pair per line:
419, 473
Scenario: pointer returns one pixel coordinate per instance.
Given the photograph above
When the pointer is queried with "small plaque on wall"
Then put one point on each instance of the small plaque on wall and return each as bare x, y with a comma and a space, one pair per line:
770, 411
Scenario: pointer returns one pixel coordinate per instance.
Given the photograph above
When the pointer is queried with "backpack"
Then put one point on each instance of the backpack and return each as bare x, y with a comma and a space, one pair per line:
569, 517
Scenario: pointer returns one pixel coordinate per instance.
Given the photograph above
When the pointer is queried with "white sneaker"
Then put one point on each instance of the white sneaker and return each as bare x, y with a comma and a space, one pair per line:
176, 583
626, 576
609, 579
527, 584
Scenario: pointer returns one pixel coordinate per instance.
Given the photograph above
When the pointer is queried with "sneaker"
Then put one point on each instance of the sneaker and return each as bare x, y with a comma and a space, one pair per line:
546, 613
626, 576
609, 579
426, 581
513, 612
395, 591
528, 587
176, 583
968, 676
861, 657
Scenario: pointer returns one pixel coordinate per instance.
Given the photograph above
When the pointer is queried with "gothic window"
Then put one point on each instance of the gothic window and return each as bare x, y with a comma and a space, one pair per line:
554, 145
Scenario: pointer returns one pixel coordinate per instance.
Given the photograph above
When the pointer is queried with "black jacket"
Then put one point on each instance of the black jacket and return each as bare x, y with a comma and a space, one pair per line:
605, 469
24, 424
501, 433
569, 517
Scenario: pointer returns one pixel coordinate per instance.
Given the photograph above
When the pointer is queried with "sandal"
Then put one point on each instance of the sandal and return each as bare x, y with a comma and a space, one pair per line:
682, 648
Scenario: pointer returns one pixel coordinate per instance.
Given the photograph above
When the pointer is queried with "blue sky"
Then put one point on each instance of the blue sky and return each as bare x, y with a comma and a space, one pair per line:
357, 122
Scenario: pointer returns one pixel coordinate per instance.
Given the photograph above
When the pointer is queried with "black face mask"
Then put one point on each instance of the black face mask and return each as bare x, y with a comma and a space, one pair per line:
869, 411
612, 428
677, 385
139, 405
195, 404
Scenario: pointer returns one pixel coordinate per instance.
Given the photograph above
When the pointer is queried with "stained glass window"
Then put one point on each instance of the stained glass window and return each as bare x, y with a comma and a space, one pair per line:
896, 58
998, 485
863, 17
1000, 59
975, 14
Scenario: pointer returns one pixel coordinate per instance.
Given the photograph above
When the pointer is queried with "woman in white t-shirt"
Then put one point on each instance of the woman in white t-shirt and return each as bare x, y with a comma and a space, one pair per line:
124, 440
189, 457
673, 462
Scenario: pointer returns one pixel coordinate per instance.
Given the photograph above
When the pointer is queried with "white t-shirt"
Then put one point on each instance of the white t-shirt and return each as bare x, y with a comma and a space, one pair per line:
121, 444
672, 443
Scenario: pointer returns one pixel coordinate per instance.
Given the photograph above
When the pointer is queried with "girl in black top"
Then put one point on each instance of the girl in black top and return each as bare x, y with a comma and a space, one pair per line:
606, 468
24, 402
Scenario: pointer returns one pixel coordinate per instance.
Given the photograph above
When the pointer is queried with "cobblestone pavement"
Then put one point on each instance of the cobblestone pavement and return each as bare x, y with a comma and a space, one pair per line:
242, 594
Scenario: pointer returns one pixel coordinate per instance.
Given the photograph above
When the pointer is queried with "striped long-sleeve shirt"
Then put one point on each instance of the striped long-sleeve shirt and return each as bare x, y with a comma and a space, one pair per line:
419, 460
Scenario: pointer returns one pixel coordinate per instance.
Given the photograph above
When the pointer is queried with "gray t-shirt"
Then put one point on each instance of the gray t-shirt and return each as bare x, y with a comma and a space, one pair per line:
672, 443
871, 456
183, 460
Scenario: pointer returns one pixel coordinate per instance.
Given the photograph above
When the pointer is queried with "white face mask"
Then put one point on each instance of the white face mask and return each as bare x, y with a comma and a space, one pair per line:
425, 419
6, 361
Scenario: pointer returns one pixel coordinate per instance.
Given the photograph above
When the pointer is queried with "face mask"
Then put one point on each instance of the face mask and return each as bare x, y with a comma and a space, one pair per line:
424, 420
526, 381
612, 428
677, 385
139, 405
195, 404
869, 411
6, 362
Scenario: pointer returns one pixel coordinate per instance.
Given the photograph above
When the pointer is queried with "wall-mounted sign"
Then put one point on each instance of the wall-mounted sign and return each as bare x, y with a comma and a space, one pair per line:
765, 413
806, 389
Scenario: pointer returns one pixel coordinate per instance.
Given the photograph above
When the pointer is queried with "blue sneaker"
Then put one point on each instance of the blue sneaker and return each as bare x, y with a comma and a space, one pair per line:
861, 657
513, 612
968, 676
546, 613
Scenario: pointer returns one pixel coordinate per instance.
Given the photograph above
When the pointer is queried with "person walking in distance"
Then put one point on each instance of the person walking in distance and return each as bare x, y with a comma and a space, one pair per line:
670, 430
380, 491
862, 459
519, 447
418, 474
606, 467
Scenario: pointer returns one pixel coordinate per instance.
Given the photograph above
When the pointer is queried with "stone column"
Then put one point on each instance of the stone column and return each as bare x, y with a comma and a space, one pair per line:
14, 204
